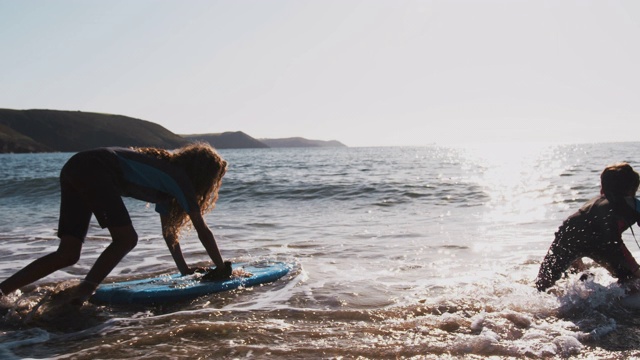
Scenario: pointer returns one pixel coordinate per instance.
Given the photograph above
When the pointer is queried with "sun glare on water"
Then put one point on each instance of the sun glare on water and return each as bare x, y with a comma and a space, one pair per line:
516, 177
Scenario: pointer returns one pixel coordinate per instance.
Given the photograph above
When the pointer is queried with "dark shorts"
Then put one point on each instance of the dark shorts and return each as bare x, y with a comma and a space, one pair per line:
89, 184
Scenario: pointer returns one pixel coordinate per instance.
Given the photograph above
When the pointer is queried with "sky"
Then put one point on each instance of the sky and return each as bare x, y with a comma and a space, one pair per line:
366, 73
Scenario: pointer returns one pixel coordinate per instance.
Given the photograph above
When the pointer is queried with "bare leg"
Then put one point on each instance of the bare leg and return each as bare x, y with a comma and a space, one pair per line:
124, 240
67, 254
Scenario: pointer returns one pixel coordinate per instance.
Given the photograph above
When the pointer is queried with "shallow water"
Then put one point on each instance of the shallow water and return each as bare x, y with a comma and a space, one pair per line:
422, 252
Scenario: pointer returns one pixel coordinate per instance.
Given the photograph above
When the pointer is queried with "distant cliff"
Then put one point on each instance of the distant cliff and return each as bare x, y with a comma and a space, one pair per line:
240, 140
70, 131
300, 142
228, 140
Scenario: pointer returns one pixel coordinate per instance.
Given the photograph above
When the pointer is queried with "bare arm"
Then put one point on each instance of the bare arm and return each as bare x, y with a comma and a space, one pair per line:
174, 249
206, 238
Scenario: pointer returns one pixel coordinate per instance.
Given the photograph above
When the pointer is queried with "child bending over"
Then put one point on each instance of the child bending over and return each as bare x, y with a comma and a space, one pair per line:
183, 184
595, 231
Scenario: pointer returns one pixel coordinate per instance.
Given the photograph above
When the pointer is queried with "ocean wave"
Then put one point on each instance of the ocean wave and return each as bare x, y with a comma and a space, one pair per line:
382, 194
30, 188
47, 191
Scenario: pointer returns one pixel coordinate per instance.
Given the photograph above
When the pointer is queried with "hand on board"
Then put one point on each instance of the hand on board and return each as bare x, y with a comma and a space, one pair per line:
219, 273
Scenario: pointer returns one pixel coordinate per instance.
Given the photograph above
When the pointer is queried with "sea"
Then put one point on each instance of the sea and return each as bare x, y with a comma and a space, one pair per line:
396, 253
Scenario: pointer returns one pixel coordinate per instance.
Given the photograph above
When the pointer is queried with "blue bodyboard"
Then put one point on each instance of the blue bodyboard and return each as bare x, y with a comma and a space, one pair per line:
175, 287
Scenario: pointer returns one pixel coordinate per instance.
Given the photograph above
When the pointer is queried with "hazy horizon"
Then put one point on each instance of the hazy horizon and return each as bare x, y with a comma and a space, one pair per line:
365, 73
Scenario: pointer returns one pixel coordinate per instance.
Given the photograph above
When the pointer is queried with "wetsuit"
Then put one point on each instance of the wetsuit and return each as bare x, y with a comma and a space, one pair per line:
595, 231
94, 181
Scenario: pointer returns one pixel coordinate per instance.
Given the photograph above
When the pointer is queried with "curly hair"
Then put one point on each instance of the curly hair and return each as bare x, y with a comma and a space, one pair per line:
204, 167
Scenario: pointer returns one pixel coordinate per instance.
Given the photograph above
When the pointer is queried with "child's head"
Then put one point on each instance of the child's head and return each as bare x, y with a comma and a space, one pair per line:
619, 180
205, 168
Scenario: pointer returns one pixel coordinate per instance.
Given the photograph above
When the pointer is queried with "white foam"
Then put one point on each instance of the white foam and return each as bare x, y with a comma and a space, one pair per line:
271, 299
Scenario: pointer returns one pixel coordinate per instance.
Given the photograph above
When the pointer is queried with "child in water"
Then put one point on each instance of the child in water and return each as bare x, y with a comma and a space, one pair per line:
595, 231
183, 184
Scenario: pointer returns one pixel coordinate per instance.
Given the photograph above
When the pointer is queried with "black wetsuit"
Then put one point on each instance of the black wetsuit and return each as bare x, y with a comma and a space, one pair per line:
595, 231
94, 181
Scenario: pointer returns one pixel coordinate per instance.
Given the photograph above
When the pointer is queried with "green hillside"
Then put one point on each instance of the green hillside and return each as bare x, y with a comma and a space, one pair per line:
24, 131
70, 131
